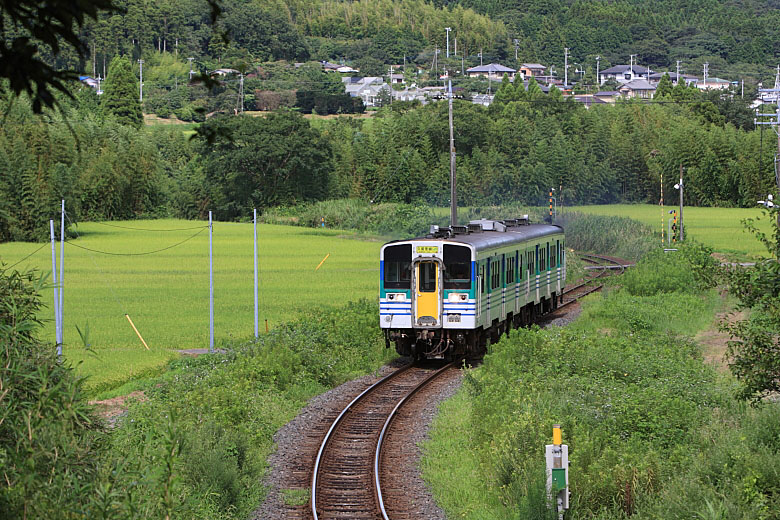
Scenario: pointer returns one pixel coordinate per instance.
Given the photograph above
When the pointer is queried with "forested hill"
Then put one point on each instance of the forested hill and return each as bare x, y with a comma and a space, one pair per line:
728, 34
737, 39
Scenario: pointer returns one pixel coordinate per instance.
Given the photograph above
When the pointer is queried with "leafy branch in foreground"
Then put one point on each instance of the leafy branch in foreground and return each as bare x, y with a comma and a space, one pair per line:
754, 350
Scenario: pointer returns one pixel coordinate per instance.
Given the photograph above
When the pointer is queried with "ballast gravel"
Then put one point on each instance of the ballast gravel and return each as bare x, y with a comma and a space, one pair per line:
298, 441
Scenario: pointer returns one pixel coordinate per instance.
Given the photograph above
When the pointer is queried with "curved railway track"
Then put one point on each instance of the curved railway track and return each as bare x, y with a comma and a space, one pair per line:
349, 474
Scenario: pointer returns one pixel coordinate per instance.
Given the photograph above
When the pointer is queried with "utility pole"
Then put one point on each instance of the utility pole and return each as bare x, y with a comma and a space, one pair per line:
678, 73
631, 61
98, 78
598, 81
141, 63
448, 40
517, 42
241, 92
565, 66
254, 225
480, 56
456, 47
776, 125
190, 60
453, 191
706, 67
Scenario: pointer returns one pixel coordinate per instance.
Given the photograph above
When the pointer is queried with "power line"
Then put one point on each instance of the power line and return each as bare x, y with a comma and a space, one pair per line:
26, 257
139, 254
150, 230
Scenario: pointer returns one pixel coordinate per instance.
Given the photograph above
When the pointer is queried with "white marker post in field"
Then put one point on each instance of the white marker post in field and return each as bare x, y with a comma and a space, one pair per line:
254, 225
211, 290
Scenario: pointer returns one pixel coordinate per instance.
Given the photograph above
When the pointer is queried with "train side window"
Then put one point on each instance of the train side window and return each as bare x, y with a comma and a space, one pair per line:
482, 277
510, 271
520, 267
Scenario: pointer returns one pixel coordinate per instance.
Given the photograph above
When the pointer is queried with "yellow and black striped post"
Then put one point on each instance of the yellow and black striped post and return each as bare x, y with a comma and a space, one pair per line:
674, 228
551, 216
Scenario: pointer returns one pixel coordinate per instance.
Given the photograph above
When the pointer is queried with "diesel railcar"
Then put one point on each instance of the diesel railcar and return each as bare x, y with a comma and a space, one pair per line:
446, 294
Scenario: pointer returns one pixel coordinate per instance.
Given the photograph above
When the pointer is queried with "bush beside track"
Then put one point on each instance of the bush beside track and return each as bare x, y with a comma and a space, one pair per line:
196, 448
653, 431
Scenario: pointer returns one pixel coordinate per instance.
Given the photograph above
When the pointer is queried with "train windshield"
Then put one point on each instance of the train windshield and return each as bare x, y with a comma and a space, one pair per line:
457, 267
398, 273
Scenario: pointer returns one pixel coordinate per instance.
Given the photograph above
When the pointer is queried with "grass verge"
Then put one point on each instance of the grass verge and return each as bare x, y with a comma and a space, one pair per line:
197, 447
653, 431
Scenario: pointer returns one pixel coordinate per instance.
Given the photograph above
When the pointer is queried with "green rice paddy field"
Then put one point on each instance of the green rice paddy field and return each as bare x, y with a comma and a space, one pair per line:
719, 228
166, 293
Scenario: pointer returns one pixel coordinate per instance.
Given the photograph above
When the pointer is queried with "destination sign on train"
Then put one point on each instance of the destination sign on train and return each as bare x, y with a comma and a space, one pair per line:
427, 249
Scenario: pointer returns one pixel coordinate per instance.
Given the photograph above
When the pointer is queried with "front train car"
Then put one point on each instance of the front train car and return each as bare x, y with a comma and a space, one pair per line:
443, 295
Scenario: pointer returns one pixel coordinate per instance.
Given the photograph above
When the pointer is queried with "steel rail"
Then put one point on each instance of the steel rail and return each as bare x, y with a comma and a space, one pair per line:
335, 425
390, 418
593, 259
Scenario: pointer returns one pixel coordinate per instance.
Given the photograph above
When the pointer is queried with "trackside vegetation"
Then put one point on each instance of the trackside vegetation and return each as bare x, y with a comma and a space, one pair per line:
653, 431
195, 448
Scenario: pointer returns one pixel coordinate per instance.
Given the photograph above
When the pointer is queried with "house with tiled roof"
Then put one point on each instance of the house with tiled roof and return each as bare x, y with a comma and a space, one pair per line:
531, 69
638, 88
491, 70
624, 73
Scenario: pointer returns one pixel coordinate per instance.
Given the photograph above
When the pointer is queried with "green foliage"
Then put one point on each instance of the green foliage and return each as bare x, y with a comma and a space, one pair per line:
651, 429
689, 269
225, 408
120, 94
49, 441
262, 162
754, 350
384, 219
619, 236
664, 88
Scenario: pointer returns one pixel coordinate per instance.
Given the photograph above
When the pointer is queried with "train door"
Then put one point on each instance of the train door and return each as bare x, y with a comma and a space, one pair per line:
427, 301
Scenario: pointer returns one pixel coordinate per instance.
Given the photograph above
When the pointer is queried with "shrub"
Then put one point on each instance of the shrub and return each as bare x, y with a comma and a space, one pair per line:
49, 441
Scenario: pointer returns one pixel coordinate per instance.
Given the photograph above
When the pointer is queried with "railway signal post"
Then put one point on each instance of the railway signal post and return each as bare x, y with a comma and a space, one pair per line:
557, 458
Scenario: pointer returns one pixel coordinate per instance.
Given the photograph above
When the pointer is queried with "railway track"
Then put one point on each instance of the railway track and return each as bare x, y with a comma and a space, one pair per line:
600, 266
354, 475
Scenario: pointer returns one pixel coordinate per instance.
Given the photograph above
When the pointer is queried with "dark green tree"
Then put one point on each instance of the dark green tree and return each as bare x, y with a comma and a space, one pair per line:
262, 162
664, 88
120, 95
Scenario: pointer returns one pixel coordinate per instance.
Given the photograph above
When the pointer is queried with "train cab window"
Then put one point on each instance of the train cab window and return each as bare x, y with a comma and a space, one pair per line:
457, 267
428, 277
398, 272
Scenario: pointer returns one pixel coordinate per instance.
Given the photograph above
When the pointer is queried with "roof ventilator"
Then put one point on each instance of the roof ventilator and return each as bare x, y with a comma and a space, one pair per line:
489, 225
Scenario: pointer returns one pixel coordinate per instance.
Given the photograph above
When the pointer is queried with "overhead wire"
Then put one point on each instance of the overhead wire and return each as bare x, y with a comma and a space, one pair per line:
202, 229
26, 257
147, 229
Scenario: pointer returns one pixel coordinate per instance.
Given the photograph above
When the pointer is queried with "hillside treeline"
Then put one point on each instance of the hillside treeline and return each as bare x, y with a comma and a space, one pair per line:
728, 35
734, 38
525, 143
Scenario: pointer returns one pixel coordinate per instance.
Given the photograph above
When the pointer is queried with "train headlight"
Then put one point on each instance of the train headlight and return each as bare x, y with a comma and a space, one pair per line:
457, 297
396, 297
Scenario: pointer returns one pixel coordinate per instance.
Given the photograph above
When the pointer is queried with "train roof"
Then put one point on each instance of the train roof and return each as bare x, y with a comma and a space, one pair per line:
490, 236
